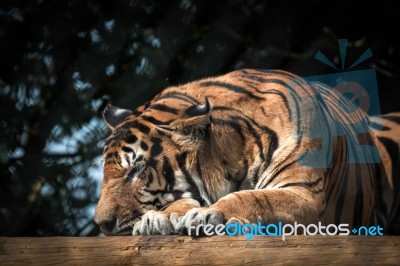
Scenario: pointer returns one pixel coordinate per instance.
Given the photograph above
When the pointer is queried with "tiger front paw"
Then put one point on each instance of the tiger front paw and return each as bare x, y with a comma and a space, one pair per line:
156, 223
190, 222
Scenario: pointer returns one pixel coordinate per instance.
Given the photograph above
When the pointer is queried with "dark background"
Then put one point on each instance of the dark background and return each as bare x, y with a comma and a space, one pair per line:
62, 62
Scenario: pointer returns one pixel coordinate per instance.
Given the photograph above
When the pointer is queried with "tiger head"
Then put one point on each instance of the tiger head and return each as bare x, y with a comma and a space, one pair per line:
146, 160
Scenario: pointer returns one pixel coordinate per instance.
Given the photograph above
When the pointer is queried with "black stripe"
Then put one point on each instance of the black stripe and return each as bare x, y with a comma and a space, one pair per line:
144, 146
256, 176
127, 149
198, 168
339, 181
393, 149
178, 95
273, 146
163, 108
177, 194
230, 87
344, 180
181, 160
160, 132
225, 108
109, 155
379, 190
272, 178
336, 157
146, 105
130, 139
150, 179
253, 132
156, 147
136, 113
119, 161
154, 192
395, 119
359, 203
152, 162
159, 180
127, 159
129, 176
154, 120
168, 173
150, 202
142, 128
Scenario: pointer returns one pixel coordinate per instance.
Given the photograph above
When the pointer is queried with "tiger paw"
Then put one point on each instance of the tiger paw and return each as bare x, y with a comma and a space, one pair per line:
155, 223
189, 223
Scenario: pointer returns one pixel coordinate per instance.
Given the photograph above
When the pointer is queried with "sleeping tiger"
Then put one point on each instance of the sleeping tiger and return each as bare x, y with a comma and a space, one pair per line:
234, 148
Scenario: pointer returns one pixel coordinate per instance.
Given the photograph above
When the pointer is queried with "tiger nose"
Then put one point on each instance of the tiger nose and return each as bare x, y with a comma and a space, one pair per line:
107, 226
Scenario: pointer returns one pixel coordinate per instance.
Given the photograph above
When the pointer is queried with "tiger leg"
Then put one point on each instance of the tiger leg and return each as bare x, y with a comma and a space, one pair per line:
251, 206
163, 222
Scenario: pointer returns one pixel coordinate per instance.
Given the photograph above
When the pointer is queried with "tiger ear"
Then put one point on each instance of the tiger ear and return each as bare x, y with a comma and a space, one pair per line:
114, 115
195, 116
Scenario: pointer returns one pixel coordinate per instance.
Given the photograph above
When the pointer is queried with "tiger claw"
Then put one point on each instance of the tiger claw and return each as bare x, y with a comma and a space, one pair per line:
154, 223
188, 223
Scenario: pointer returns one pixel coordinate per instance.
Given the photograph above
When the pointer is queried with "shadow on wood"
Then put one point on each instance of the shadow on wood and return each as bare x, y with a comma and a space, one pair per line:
185, 250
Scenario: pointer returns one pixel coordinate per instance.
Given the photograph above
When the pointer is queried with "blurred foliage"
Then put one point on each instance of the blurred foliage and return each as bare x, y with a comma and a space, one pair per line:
63, 61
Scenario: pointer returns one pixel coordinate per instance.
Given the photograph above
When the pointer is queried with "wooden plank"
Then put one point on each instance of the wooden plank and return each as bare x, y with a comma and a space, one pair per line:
185, 250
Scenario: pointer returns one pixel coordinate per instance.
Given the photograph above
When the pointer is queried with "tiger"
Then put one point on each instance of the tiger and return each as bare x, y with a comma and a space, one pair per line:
234, 148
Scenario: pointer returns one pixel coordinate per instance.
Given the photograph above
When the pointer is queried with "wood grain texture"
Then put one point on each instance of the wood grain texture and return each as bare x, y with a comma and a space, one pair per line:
184, 250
